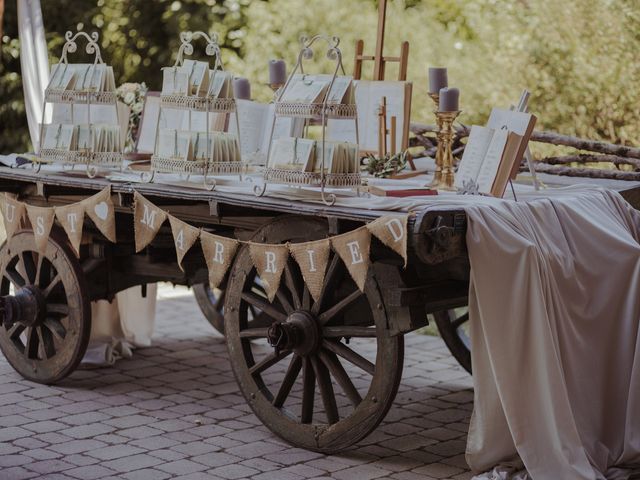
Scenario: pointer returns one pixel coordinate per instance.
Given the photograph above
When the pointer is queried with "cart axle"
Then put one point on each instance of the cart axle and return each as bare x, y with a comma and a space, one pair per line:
300, 332
26, 307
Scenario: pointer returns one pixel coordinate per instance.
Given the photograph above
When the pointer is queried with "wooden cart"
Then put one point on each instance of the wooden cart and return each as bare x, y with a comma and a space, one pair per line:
324, 394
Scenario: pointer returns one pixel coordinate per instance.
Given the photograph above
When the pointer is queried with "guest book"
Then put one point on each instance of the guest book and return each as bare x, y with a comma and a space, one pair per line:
368, 97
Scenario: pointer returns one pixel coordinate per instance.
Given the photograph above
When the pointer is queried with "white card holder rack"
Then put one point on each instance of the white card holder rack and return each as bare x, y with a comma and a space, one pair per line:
94, 161
207, 104
319, 112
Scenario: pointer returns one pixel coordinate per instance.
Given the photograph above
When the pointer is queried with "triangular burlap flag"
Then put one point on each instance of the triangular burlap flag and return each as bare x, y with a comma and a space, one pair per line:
269, 261
41, 219
218, 253
392, 231
100, 209
312, 257
184, 236
147, 220
13, 213
353, 249
71, 218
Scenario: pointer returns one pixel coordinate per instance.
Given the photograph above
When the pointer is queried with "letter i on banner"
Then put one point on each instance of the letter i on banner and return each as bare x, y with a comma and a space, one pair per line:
13, 213
147, 220
353, 249
218, 253
392, 231
312, 257
184, 236
102, 212
71, 217
41, 219
269, 261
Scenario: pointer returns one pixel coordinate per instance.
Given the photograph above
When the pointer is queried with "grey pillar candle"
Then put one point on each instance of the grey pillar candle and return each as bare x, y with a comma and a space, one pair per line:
449, 100
241, 88
438, 79
277, 72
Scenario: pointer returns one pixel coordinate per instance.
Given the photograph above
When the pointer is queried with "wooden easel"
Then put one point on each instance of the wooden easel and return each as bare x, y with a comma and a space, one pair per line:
380, 61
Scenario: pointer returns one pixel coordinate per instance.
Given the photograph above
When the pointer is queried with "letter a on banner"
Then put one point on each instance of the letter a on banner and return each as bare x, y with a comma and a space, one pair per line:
41, 219
219, 253
13, 213
353, 249
392, 231
312, 257
147, 220
101, 211
71, 217
269, 261
184, 236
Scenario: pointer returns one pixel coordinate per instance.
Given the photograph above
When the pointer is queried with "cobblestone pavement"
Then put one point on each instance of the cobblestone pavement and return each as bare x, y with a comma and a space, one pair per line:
174, 411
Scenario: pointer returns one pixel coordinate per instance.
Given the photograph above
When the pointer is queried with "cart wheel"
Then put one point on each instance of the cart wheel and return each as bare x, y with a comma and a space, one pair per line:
45, 315
211, 303
323, 374
453, 327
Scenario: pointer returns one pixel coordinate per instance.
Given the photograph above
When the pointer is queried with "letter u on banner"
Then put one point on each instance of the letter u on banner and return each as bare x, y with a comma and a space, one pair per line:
269, 260
392, 231
218, 253
353, 249
147, 220
13, 213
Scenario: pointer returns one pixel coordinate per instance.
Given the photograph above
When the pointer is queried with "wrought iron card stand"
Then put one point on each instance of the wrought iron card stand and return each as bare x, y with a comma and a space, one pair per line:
319, 112
192, 103
91, 159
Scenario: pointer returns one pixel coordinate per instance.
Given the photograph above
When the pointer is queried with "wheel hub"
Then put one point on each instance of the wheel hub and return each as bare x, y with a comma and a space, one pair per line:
26, 307
299, 332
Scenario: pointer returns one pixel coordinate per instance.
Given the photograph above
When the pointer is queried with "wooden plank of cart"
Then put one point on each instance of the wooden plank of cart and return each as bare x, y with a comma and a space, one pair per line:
325, 412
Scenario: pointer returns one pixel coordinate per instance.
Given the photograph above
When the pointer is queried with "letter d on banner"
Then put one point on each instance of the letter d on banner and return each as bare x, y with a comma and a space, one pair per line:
392, 231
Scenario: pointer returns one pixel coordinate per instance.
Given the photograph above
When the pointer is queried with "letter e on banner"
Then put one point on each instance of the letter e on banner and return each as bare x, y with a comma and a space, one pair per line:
353, 248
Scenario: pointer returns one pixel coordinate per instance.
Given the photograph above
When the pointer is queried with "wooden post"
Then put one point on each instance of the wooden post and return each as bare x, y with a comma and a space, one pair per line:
404, 61
393, 134
357, 64
382, 128
378, 68
1, 17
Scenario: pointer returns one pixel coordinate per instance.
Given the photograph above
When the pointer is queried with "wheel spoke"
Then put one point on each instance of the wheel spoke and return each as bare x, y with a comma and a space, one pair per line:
336, 309
282, 298
56, 328
345, 352
46, 342
31, 348
291, 285
308, 392
287, 383
330, 281
269, 361
15, 331
38, 280
14, 277
219, 305
326, 391
61, 309
28, 267
57, 280
306, 298
261, 320
348, 331
459, 321
254, 333
262, 304
337, 370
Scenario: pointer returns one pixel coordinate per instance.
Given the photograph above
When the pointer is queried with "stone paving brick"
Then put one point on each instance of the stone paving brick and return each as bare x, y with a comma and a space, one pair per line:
174, 411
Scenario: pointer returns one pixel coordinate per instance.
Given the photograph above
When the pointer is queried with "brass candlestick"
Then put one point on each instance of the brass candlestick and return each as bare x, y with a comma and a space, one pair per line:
437, 175
445, 143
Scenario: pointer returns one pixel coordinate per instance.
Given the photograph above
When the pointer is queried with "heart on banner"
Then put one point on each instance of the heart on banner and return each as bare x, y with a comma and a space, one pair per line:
102, 212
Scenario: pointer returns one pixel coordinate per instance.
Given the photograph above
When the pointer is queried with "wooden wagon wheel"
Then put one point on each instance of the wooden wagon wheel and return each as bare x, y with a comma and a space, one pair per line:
453, 325
45, 314
325, 373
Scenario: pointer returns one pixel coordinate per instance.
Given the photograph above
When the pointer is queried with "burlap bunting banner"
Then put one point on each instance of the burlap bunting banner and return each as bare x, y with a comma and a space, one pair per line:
353, 248
184, 236
218, 253
147, 220
71, 217
41, 219
392, 231
101, 210
312, 257
13, 213
269, 261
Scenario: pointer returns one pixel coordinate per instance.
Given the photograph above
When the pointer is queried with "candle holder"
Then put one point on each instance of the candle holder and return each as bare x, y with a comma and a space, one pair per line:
437, 175
445, 143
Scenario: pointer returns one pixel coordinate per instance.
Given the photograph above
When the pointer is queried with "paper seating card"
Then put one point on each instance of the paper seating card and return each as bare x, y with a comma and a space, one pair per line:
305, 88
190, 146
368, 96
488, 159
73, 138
196, 79
81, 113
305, 155
255, 121
220, 84
175, 81
82, 77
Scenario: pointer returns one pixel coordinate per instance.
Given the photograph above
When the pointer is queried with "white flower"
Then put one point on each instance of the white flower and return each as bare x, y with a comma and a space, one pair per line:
137, 107
129, 98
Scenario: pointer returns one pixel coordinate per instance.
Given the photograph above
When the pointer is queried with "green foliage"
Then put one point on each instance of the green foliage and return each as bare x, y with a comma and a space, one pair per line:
386, 166
576, 56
